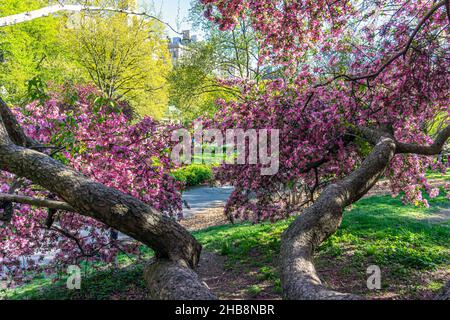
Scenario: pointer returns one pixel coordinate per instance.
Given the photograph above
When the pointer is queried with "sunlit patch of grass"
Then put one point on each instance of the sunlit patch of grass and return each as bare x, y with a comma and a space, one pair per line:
254, 290
378, 230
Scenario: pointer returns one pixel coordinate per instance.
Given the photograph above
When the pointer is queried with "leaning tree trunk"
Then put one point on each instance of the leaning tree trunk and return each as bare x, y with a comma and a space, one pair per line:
298, 274
170, 241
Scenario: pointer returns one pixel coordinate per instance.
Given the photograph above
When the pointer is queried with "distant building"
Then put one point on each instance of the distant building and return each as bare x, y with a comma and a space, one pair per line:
177, 45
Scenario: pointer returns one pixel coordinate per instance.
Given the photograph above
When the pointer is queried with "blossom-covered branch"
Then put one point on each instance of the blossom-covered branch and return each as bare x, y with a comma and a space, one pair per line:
400, 53
97, 207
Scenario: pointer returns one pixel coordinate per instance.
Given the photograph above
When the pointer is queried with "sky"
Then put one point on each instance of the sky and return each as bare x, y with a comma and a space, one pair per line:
174, 12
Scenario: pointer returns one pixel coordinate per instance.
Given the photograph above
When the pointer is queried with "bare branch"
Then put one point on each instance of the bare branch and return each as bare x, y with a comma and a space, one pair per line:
38, 202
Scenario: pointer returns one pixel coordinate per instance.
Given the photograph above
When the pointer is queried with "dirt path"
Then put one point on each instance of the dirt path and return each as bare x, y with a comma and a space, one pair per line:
205, 219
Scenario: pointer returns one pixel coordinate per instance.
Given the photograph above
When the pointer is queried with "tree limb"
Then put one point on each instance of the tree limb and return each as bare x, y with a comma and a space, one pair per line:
37, 202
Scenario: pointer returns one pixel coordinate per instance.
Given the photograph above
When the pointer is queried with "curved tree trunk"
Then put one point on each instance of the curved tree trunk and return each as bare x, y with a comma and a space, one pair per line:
318, 222
170, 241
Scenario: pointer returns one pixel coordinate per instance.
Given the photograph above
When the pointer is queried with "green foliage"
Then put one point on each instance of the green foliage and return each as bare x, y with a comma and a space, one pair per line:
194, 81
125, 57
193, 174
36, 90
439, 176
254, 290
33, 50
267, 273
193, 84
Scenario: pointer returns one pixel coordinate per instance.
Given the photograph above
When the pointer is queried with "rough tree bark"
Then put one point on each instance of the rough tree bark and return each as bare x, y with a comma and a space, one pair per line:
314, 225
170, 241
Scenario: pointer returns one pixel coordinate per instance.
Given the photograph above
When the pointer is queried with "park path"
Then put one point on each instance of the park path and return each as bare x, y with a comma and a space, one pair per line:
202, 198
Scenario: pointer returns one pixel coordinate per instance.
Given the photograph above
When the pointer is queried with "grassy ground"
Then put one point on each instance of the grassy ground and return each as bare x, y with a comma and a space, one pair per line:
409, 244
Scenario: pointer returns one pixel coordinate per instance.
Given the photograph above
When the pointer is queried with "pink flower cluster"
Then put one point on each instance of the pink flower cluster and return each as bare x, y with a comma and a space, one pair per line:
99, 140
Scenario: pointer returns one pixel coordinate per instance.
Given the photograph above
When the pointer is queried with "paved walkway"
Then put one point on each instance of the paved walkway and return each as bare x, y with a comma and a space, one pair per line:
204, 197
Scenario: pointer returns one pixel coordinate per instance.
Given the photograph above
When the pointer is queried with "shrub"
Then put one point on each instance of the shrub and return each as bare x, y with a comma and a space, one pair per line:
193, 174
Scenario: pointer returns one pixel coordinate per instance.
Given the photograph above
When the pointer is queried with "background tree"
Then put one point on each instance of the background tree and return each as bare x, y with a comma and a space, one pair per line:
126, 57
33, 50
237, 50
194, 83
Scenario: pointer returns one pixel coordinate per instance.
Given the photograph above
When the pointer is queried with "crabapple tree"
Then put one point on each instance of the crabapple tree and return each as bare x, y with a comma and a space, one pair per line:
364, 85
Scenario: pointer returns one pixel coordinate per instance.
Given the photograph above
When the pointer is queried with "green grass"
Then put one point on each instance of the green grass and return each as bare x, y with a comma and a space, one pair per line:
404, 235
402, 239
379, 226
254, 290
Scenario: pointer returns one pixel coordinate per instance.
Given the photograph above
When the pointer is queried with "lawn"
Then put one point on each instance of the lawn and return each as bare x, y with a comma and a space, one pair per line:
409, 244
